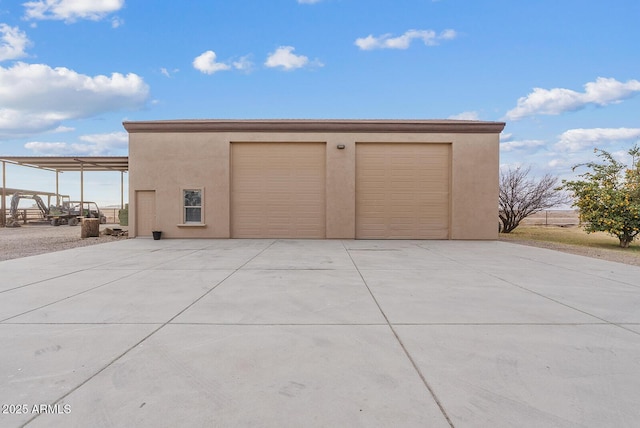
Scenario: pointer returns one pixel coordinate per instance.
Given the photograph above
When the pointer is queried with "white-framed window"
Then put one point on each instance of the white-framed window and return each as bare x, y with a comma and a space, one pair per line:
192, 205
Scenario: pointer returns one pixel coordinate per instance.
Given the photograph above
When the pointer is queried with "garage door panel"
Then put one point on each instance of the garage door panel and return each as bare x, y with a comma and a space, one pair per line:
278, 190
402, 191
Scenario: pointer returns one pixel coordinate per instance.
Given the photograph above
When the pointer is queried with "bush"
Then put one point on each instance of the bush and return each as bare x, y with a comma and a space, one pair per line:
608, 196
123, 216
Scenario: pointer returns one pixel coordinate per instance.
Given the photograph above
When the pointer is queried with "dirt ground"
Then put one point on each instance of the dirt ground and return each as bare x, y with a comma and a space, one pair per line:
569, 218
33, 239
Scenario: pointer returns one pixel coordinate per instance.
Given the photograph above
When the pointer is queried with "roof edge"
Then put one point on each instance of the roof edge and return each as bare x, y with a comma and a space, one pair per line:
318, 125
71, 163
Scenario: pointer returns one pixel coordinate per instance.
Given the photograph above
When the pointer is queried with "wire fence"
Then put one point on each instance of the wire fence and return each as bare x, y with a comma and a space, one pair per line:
111, 214
542, 218
553, 218
34, 215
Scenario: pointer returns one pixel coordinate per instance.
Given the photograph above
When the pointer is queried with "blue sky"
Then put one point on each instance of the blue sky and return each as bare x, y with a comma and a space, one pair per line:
563, 74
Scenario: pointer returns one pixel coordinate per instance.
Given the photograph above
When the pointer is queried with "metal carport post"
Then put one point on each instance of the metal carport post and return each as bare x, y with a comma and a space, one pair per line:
3, 220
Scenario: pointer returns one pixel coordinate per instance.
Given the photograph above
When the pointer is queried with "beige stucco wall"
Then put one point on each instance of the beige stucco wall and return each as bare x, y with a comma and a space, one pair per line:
474, 181
167, 162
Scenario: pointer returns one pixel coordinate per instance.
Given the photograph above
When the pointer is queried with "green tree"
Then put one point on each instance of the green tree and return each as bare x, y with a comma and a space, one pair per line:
608, 196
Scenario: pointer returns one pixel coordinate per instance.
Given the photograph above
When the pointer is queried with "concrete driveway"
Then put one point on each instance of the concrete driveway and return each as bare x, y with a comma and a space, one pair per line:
305, 333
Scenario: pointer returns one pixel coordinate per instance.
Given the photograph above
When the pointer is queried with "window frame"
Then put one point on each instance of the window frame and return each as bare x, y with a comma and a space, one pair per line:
184, 207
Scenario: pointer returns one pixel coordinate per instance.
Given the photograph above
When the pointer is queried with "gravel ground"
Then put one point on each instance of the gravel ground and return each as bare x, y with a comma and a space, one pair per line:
32, 239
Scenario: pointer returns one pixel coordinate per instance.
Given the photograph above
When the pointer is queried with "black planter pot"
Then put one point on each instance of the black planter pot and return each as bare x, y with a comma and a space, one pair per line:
156, 234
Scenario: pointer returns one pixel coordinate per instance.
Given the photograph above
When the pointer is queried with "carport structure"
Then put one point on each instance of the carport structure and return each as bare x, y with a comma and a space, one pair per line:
60, 164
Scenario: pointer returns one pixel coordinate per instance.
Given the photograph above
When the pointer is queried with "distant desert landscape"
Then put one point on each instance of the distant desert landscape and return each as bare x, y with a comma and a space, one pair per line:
553, 218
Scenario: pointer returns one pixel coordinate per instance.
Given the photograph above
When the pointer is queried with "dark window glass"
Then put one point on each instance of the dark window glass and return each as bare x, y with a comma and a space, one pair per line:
193, 215
192, 206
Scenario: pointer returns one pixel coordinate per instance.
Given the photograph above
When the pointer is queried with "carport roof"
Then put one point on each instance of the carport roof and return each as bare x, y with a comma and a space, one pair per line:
72, 163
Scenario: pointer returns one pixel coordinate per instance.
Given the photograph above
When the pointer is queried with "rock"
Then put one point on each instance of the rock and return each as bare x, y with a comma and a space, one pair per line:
90, 228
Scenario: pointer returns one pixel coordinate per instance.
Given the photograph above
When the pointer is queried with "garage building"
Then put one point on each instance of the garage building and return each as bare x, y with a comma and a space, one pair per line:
362, 179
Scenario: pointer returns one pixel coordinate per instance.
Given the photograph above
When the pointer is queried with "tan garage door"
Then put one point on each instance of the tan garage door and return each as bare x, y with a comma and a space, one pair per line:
402, 191
145, 212
278, 190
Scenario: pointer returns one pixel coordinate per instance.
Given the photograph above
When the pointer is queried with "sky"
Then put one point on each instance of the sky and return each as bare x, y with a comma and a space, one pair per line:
564, 74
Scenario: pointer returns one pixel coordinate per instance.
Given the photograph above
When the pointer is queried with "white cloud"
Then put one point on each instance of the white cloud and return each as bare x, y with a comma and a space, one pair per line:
285, 58
448, 34
206, 63
466, 115
510, 165
510, 146
609, 91
243, 64
103, 144
94, 145
168, 73
71, 10
575, 140
555, 101
386, 41
13, 42
563, 162
37, 98
113, 139
61, 129
117, 22
622, 156
46, 149
560, 163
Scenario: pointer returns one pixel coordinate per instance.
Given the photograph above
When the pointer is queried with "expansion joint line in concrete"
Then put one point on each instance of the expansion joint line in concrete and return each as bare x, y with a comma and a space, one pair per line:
67, 297
404, 348
97, 267
42, 280
579, 271
566, 305
605, 321
109, 364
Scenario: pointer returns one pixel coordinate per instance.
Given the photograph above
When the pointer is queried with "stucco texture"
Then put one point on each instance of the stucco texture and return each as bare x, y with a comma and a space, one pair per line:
168, 159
